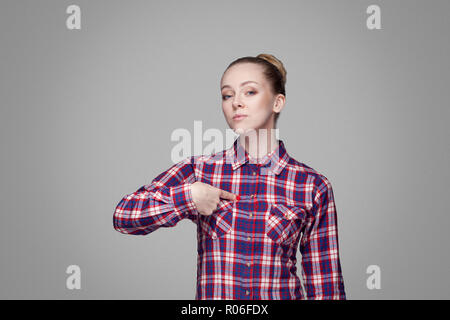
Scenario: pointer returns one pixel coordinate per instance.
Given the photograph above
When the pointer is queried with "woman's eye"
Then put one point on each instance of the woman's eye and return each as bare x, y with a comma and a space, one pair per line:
225, 97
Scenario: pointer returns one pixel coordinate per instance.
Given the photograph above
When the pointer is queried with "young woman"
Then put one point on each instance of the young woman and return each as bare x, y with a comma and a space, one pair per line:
253, 204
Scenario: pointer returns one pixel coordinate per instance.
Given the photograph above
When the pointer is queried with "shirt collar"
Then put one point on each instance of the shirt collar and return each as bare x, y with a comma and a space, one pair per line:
274, 161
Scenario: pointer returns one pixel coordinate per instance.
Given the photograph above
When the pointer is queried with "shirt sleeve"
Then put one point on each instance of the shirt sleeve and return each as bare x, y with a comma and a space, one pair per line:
162, 203
321, 268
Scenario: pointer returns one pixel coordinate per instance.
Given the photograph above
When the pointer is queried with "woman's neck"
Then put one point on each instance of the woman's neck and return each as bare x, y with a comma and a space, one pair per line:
258, 144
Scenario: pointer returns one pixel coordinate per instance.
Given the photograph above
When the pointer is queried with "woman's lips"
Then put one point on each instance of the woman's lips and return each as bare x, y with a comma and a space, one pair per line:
239, 117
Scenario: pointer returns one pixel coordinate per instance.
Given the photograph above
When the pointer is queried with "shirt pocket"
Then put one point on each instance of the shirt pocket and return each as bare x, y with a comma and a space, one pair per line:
219, 222
284, 222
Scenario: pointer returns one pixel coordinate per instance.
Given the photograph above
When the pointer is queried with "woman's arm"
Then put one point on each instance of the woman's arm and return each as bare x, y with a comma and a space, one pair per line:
319, 247
162, 203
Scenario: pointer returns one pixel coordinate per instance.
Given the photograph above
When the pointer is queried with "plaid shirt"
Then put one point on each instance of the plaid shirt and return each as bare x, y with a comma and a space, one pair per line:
247, 247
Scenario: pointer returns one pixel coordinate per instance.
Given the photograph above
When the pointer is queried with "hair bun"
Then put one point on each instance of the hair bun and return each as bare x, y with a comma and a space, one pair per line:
277, 63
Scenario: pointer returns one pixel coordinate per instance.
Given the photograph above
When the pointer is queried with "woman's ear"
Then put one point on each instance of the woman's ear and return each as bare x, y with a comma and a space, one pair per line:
279, 103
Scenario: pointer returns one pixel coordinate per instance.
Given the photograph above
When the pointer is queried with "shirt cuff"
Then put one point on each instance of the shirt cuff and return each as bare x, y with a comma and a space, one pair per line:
182, 199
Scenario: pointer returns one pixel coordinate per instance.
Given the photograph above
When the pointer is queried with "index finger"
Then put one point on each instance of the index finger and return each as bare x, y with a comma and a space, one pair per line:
227, 195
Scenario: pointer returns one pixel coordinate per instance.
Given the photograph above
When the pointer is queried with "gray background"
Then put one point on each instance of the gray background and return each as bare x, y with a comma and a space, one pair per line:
86, 118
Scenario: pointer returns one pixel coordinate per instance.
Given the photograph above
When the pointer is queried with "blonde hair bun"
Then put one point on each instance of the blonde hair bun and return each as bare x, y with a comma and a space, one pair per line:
277, 63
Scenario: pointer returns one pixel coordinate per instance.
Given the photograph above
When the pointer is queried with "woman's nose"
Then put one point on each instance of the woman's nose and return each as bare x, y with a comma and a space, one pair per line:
237, 103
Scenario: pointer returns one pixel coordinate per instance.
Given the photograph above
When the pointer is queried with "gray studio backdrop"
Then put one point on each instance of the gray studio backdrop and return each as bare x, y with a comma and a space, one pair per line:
87, 116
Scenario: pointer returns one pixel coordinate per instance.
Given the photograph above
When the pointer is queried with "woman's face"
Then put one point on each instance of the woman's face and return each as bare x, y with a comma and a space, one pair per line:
245, 91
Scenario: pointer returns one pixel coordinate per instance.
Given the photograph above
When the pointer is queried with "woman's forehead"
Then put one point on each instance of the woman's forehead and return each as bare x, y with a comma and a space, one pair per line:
240, 73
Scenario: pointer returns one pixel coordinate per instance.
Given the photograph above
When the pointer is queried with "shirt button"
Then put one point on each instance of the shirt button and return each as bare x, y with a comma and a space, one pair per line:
249, 238
214, 236
248, 264
247, 292
251, 215
252, 196
254, 173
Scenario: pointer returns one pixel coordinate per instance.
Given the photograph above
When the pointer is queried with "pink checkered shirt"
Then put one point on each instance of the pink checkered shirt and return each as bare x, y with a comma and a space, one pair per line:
247, 248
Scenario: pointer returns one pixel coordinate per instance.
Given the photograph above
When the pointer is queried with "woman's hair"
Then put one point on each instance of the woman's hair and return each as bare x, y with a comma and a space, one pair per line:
273, 70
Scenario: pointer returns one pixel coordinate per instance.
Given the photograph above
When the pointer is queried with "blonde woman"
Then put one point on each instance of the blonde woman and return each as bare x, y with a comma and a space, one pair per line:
253, 203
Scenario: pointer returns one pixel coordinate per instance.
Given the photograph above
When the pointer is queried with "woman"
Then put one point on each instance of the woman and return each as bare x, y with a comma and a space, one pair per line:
253, 203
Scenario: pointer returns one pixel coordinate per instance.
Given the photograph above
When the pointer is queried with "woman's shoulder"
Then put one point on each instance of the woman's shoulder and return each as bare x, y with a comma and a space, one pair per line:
305, 170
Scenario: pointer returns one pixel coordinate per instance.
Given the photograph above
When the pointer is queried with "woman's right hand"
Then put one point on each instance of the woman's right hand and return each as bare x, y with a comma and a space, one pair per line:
207, 197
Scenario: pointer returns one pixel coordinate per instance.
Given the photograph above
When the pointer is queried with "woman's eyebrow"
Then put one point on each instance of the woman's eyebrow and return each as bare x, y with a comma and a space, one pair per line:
242, 84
